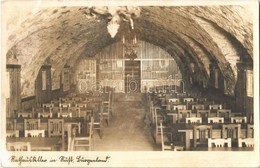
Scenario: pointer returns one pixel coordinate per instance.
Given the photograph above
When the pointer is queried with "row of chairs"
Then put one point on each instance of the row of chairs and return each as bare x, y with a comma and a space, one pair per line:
219, 117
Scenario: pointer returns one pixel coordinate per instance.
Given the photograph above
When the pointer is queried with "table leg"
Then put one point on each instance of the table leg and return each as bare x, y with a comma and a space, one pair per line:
187, 140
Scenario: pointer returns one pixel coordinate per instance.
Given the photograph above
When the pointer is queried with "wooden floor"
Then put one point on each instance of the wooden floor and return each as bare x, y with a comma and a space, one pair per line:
129, 128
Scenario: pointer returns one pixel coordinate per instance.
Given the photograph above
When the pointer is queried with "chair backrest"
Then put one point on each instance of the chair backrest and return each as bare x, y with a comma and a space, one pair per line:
47, 105
55, 110
18, 146
239, 119
70, 103
77, 99
231, 131
32, 124
162, 138
215, 119
201, 99
249, 142
219, 142
71, 134
188, 99
34, 133
226, 113
250, 131
63, 99
215, 106
174, 100
75, 111
65, 105
55, 103
179, 107
91, 125
198, 107
201, 133
56, 127
181, 95
203, 113
81, 105
182, 114
193, 120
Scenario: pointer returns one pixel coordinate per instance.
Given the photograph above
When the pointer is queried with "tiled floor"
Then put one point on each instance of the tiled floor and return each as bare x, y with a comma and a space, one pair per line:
129, 128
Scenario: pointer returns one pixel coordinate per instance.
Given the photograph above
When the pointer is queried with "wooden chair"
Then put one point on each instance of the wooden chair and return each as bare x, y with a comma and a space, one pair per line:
249, 140
155, 111
84, 141
204, 114
70, 102
65, 105
11, 130
179, 107
47, 105
71, 134
56, 103
75, 111
32, 124
54, 111
201, 100
232, 131
168, 146
188, 99
239, 119
64, 112
77, 99
18, 146
34, 133
219, 142
195, 107
201, 134
63, 99
56, 128
183, 114
226, 113
97, 123
25, 115
215, 107
44, 112
105, 107
174, 100
151, 110
159, 127
81, 105
193, 120
250, 131
212, 120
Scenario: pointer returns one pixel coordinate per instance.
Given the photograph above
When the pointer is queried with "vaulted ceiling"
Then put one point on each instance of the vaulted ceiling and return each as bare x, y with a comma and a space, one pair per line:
202, 35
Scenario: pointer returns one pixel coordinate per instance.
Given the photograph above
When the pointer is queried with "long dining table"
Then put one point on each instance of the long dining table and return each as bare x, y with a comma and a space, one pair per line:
186, 132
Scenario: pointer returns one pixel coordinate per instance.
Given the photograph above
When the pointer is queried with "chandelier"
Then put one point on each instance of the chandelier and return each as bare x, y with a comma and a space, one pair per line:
119, 14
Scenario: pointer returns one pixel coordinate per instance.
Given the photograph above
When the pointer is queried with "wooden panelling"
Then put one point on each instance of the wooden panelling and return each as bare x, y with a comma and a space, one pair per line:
155, 64
43, 85
14, 102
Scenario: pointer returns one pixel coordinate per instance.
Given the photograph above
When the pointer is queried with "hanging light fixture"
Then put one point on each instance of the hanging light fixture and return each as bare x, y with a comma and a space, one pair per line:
130, 45
112, 28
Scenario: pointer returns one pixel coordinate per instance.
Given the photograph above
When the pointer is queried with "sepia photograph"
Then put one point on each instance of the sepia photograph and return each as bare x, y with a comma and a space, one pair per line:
160, 83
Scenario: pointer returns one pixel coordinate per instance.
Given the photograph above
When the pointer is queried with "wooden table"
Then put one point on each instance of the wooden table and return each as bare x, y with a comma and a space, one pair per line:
37, 143
216, 133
